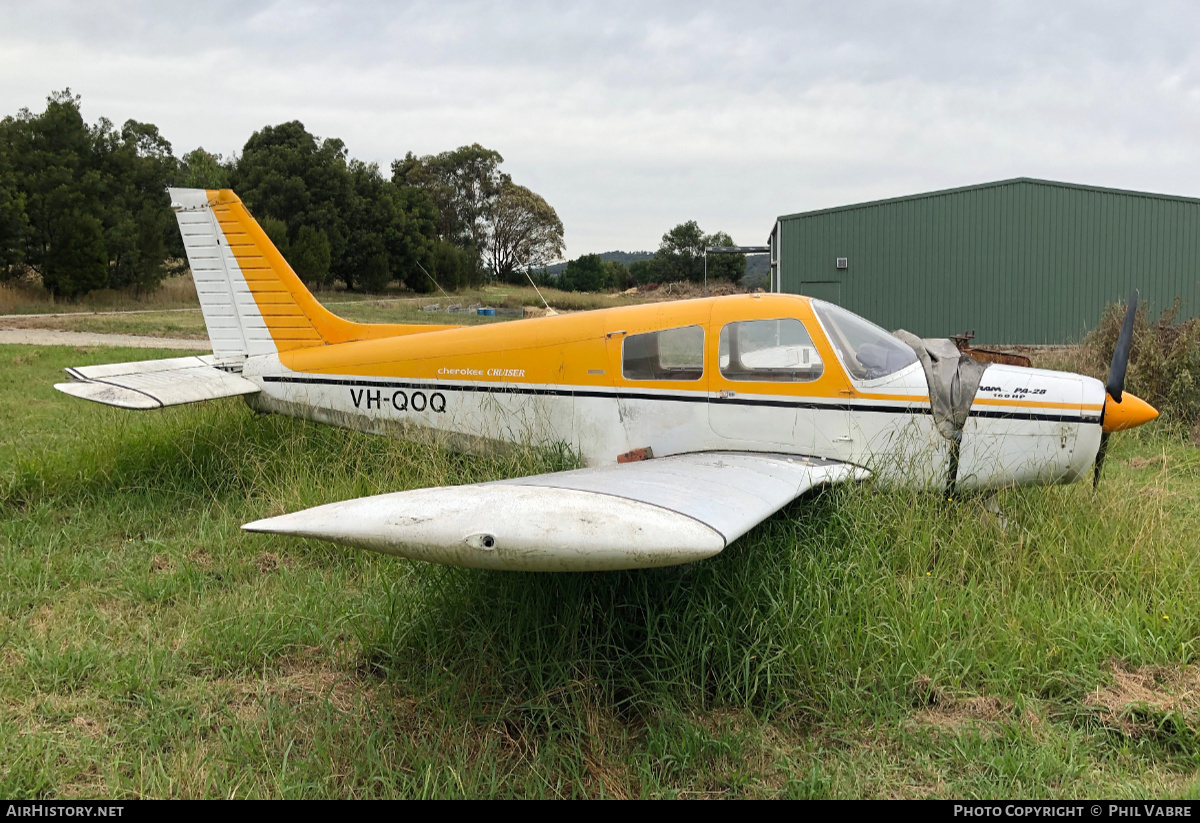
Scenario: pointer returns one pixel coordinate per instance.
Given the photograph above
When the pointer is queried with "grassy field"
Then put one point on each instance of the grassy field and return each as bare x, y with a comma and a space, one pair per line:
173, 310
30, 298
190, 324
860, 643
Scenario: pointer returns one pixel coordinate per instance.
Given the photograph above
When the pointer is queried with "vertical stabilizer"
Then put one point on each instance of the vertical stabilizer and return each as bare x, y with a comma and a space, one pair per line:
253, 303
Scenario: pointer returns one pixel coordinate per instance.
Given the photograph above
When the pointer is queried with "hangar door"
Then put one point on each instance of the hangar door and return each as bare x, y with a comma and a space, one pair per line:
828, 290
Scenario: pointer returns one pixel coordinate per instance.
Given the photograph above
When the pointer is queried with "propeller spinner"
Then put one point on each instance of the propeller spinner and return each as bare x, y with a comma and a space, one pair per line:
1121, 410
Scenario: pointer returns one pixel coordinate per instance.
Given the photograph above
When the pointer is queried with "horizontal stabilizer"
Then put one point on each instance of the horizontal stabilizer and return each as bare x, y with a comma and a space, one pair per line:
637, 515
153, 384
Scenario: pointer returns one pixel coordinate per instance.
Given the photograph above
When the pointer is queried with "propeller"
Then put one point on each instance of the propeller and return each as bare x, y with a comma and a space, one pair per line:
1115, 384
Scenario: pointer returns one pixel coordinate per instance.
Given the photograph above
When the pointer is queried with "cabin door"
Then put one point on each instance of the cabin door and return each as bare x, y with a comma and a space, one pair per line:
759, 369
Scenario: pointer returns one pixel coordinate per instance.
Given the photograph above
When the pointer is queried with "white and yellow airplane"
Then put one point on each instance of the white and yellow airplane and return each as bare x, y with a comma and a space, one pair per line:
696, 420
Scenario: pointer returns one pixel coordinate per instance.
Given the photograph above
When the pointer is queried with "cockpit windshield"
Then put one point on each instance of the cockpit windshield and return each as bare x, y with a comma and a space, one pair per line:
867, 351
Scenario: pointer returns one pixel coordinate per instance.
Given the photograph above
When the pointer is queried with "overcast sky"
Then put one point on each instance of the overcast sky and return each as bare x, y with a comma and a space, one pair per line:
630, 118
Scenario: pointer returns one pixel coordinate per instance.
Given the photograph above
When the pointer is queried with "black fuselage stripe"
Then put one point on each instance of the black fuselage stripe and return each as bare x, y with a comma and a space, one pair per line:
682, 397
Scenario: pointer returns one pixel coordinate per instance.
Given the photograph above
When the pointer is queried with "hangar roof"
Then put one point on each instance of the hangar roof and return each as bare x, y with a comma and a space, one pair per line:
993, 185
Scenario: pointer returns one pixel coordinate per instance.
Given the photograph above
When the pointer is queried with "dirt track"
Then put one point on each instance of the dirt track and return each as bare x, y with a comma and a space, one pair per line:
53, 337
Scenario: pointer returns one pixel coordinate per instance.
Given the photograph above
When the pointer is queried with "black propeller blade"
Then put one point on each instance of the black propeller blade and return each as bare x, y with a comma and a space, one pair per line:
1115, 384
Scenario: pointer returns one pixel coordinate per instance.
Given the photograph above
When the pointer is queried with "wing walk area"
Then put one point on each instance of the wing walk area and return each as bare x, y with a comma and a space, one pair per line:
730, 492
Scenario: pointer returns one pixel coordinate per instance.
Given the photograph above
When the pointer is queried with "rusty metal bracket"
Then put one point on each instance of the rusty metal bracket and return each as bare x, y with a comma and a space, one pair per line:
635, 455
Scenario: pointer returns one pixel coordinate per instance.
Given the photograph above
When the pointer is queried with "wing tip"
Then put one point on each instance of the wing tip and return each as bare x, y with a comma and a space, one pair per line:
105, 394
273, 525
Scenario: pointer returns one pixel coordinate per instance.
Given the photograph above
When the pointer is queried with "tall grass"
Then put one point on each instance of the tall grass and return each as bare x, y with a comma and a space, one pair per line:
151, 648
837, 606
27, 297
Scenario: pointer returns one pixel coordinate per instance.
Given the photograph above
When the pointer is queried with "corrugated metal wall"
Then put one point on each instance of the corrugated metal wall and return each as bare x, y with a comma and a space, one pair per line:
1021, 261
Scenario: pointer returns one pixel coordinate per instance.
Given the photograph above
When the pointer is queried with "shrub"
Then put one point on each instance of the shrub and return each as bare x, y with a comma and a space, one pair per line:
77, 260
1164, 364
453, 268
644, 272
587, 273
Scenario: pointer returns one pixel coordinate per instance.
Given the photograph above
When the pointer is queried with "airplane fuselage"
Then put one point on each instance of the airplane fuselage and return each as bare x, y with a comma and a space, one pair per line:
572, 379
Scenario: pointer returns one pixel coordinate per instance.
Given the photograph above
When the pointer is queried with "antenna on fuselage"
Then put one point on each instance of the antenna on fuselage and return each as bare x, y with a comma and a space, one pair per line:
430, 276
549, 311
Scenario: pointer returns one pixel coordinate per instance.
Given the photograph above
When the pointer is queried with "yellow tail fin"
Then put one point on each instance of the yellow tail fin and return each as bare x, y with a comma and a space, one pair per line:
253, 303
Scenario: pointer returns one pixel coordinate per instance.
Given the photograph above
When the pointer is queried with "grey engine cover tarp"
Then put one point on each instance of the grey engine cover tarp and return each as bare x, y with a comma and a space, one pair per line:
953, 379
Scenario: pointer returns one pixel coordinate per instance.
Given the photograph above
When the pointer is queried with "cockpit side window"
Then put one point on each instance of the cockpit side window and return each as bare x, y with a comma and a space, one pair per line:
770, 351
867, 351
670, 354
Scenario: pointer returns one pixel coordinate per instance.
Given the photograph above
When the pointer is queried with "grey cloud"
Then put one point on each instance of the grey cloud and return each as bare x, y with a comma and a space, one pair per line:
632, 117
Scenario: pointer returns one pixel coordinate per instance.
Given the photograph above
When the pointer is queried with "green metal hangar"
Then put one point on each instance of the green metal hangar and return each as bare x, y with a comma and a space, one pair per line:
1018, 261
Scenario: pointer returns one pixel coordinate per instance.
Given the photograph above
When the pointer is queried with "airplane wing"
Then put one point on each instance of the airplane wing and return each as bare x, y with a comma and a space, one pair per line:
153, 384
657, 512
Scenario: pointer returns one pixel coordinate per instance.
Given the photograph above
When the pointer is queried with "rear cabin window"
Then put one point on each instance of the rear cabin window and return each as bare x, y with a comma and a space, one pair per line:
769, 350
670, 354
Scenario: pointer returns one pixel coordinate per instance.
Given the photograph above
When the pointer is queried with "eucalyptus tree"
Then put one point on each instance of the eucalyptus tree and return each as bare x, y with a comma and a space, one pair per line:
503, 226
522, 231
200, 169
463, 184
680, 256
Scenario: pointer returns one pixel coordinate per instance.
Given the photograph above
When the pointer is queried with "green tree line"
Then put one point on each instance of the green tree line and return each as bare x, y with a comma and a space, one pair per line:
85, 207
680, 257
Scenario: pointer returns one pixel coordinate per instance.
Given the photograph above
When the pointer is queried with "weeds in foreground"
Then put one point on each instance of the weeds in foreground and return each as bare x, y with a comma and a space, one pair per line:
1164, 366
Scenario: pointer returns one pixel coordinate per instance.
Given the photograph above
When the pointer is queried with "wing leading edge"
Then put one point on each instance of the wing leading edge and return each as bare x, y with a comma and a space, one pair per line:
659, 512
